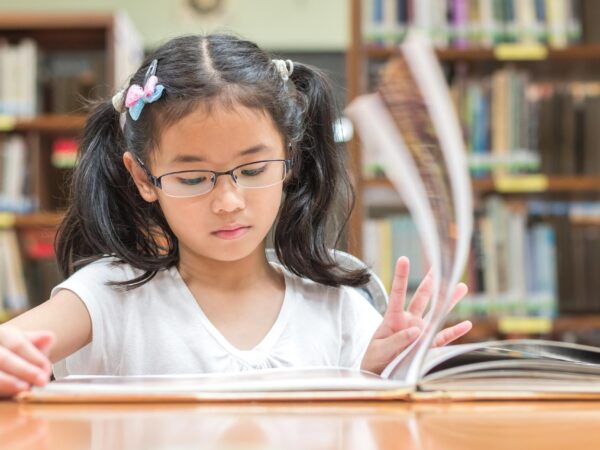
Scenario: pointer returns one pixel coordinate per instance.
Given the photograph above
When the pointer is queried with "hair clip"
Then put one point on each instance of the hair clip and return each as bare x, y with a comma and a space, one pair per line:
282, 67
138, 96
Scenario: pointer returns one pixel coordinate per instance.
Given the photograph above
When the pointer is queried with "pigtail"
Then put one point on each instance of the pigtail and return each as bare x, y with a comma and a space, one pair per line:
318, 179
107, 216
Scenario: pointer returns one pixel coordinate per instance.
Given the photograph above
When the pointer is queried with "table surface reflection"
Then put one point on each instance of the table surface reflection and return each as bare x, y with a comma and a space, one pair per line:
290, 426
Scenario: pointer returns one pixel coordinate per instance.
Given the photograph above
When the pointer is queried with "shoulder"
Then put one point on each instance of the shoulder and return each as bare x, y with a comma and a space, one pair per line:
100, 276
346, 299
108, 267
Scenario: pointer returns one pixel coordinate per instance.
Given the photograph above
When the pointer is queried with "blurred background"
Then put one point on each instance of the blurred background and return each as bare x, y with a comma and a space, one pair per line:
524, 76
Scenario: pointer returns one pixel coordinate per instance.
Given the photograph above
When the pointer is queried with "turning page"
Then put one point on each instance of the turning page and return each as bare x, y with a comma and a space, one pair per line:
411, 122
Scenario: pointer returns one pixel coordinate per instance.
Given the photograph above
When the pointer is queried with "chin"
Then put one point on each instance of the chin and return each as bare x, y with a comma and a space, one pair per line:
232, 253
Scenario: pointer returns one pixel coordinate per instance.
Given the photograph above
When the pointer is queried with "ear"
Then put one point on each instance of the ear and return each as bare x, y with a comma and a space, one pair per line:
146, 189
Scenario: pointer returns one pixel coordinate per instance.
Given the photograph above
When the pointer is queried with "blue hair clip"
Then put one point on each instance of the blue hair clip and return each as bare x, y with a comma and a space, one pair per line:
138, 96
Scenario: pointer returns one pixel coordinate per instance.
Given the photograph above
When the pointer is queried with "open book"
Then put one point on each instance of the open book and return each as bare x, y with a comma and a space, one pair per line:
411, 122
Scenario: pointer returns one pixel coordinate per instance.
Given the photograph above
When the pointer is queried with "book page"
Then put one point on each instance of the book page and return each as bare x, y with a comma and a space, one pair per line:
311, 383
412, 123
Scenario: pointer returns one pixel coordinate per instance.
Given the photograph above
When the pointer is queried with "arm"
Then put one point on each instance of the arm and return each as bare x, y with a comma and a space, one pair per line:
44, 334
66, 316
400, 327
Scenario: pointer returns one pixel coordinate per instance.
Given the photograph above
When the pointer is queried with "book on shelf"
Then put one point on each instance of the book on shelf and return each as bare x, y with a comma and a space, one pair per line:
387, 238
71, 79
18, 82
411, 120
16, 175
477, 23
13, 293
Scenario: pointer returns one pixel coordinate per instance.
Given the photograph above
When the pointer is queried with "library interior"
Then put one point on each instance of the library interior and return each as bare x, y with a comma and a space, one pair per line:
524, 80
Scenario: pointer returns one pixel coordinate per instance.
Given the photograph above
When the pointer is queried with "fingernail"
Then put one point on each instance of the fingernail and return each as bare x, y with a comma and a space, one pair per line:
41, 379
21, 385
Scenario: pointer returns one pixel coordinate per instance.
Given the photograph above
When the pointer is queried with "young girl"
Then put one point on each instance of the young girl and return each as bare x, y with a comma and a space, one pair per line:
181, 178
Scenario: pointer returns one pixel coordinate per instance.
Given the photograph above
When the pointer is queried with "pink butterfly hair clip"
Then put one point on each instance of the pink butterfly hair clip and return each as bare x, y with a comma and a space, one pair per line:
137, 96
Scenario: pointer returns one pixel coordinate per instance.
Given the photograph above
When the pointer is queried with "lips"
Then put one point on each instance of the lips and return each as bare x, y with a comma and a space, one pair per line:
231, 231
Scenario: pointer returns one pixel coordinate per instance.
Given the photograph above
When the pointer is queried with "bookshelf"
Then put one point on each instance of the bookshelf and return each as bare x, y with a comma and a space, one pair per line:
528, 197
51, 65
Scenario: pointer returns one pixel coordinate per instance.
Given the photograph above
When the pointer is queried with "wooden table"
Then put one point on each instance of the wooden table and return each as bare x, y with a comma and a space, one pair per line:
361, 426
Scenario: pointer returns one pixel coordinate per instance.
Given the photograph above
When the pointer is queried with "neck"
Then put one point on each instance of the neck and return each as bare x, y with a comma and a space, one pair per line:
225, 275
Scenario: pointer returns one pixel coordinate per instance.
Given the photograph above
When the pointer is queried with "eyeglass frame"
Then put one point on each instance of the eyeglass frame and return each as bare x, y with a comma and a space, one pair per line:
157, 182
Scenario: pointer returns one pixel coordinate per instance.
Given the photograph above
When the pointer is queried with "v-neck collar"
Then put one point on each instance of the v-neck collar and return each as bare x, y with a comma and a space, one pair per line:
268, 341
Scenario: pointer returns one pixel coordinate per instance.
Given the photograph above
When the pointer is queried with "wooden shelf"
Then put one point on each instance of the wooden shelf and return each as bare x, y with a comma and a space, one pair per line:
561, 324
52, 31
556, 184
39, 219
49, 123
55, 21
577, 52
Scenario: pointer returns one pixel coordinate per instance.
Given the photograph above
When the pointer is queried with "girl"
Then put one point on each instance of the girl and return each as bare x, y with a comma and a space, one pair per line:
180, 180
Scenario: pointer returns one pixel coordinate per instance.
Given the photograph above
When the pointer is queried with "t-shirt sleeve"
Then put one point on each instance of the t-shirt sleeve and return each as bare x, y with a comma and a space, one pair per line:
359, 322
89, 284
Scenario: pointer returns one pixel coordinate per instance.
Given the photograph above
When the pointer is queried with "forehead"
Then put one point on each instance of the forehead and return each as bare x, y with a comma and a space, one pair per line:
219, 133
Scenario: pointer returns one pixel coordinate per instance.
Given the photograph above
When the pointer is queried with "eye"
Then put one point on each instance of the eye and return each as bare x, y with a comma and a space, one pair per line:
251, 172
192, 181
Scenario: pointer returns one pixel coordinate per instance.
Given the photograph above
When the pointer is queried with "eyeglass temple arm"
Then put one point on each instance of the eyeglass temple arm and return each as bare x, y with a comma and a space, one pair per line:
155, 180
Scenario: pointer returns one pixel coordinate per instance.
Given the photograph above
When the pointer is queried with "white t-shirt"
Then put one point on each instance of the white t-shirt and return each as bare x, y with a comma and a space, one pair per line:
159, 328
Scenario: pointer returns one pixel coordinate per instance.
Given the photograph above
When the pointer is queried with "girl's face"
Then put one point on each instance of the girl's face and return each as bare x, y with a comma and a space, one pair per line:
229, 222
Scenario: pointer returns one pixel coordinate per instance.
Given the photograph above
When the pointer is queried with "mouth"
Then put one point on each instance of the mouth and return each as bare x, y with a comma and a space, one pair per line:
231, 232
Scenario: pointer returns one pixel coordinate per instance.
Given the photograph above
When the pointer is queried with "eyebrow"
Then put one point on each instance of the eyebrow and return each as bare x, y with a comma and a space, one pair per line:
194, 158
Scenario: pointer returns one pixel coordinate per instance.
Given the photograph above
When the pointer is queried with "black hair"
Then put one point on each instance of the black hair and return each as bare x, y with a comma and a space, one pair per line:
108, 216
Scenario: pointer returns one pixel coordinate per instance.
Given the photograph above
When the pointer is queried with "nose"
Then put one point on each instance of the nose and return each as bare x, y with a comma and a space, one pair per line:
226, 196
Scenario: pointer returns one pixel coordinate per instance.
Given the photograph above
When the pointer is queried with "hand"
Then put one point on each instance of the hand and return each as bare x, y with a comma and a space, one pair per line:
401, 327
23, 359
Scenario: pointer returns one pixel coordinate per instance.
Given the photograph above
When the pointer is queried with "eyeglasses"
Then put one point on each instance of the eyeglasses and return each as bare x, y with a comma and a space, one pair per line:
192, 183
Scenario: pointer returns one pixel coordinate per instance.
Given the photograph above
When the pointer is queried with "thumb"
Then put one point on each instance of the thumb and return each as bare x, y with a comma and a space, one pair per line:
43, 340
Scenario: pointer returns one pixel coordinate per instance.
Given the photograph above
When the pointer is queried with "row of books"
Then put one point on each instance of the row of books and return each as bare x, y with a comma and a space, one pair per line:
58, 82
512, 266
577, 228
547, 126
19, 183
28, 269
534, 258
15, 175
513, 124
385, 240
539, 257
474, 23
13, 293
18, 78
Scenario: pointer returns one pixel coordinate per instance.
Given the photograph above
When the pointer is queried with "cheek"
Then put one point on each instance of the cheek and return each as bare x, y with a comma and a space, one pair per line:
264, 209
184, 215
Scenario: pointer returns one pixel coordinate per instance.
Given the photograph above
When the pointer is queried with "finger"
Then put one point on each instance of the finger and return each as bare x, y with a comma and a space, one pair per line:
42, 340
23, 347
10, 385
397, 322
450, 334
13, 364
418, 303
402, 339
459, 293
399, 285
